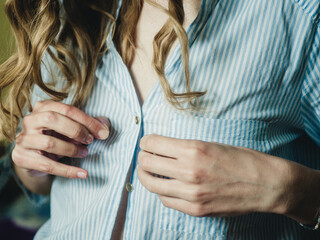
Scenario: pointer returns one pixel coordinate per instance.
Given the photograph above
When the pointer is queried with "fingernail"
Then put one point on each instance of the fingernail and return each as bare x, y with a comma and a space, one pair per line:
81, 175
104, 133
142, 141
89, 139
83, 152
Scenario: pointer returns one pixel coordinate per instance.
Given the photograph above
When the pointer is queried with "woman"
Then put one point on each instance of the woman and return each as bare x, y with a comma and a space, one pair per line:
214, 114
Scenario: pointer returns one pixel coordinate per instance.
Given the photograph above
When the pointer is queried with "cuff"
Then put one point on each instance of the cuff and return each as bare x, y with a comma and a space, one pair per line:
7, 170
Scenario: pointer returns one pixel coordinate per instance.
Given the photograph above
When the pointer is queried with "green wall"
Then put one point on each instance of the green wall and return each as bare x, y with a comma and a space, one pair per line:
6, 38
6, 45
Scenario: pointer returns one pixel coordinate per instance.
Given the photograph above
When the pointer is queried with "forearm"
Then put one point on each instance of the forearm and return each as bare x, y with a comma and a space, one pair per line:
37, 184
295, 188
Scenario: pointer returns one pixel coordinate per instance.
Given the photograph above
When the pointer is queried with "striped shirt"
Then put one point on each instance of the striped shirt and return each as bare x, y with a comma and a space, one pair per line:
259, 62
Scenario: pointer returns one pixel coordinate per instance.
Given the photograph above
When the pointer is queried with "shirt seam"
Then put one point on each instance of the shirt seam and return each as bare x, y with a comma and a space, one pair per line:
315, 19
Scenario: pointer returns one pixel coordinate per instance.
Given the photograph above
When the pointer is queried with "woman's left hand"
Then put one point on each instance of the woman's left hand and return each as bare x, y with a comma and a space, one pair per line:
221, 180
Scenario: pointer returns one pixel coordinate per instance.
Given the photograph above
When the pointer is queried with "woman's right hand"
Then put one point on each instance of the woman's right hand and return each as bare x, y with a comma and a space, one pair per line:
52, 131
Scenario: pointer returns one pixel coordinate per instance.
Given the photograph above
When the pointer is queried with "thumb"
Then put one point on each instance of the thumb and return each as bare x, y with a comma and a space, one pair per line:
107, 125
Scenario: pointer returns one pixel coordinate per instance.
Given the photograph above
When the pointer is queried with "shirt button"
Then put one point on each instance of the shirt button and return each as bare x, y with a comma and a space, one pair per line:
137, 120
129, 187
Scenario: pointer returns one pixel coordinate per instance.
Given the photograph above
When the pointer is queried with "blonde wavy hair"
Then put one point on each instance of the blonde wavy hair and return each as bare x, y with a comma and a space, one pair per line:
39, 28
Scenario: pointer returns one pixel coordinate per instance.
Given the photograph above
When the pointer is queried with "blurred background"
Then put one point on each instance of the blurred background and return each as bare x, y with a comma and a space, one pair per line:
6, 38
19, 217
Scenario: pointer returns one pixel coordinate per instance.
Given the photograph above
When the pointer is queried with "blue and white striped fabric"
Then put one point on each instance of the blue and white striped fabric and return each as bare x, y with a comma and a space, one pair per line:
260, 64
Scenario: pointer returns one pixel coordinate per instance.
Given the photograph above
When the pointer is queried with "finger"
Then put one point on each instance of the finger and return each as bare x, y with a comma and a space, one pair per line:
163, 166
34, 161
34, 173
99, 129
219, 208
165, 146
193, 209
51, 155
175, 188
57, 123
62, 137
52, 145
167, 187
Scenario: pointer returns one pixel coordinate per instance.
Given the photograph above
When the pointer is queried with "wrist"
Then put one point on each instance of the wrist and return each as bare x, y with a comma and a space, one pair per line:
301, 200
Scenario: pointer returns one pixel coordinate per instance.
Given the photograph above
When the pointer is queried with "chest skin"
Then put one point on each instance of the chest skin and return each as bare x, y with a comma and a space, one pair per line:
150, 22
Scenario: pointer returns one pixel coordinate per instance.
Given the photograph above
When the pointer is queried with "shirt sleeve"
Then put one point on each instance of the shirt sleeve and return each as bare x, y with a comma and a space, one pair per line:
7, 171
5, 167
311, 91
